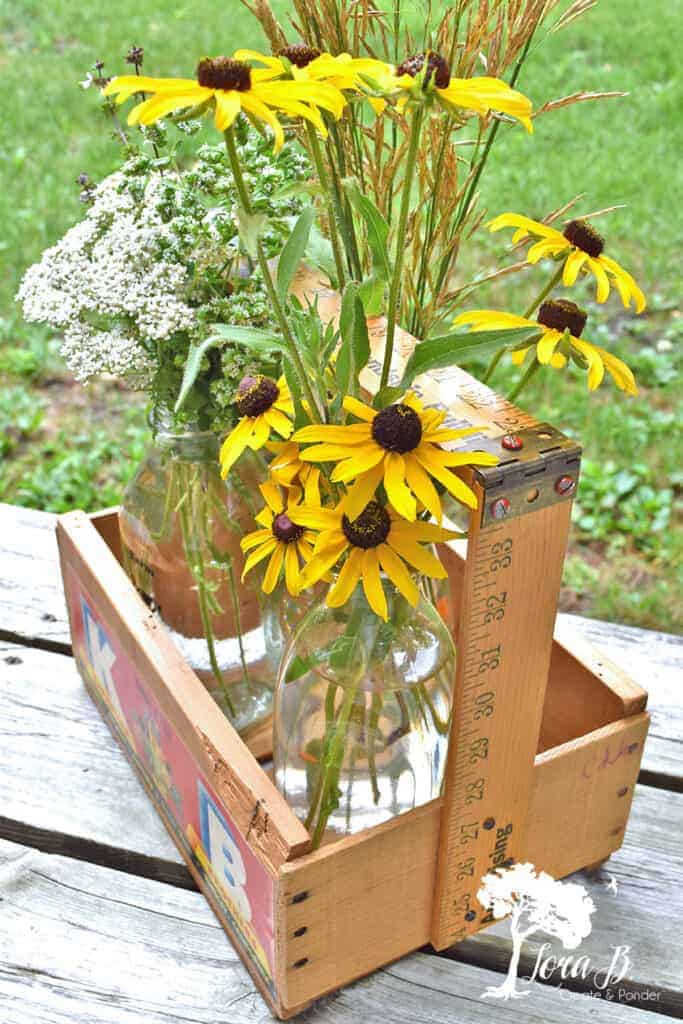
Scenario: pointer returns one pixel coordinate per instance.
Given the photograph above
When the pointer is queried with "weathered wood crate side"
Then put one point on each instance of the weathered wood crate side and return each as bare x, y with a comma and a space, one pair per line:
229, 822
308, 923
354, 906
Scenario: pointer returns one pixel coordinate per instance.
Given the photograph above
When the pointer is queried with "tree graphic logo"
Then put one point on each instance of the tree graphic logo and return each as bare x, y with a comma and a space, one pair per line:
536, 902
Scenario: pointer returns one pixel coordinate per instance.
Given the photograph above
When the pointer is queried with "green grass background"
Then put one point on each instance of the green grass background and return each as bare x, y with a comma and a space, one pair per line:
63, 446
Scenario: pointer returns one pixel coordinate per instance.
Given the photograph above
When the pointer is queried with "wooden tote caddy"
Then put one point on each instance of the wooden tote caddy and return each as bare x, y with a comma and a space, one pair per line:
546, 738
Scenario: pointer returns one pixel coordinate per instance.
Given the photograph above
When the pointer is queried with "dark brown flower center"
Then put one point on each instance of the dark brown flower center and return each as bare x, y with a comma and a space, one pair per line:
397, 428
285, 530
438, 68
584, 236
224, 73
370, 529
561, 314
299, 54
256, 394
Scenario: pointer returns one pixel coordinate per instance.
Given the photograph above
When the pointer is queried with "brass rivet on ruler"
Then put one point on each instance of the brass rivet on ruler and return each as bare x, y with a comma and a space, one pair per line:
631, 748
470, 915
489, 823
500, 508
623, 791
565, 485
511, 442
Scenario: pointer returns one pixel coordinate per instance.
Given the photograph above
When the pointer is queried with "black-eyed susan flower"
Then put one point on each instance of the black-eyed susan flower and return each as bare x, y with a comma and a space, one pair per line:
401, 447
378, 540
288, 470
263, 405
307, 64
561, 323
583, 247
230, 86
289, 545
429, 74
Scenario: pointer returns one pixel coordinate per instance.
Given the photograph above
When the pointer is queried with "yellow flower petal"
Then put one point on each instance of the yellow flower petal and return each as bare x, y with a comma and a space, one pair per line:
257, 556
348, 578
362, 491
423, 487
272, 495
279, 422
626, 285
320, 565
255, 106
228, 107
602, 279
398, 574
156, 107
255, 538
545, 248
314, 518
291, 569
572, 267
394, 481
353, 433
596, 367
260, 433
372, 584
234, 445
364, 460
274, 569
420, 558
460, 491
547, 344
359, 409
484, 319
525, 225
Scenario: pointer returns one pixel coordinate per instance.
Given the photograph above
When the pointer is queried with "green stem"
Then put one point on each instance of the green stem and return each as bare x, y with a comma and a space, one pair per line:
429, 226
280, 315
393, 311
319, 162
329, 800
238, 621
532, 369
492, 365
555, 279
196, 566
375, 711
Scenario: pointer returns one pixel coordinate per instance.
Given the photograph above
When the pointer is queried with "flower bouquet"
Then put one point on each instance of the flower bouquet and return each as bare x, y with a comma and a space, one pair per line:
359, 478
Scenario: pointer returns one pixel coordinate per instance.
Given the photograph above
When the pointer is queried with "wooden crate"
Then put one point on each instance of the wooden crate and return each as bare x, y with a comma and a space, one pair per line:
307, 923
546, 738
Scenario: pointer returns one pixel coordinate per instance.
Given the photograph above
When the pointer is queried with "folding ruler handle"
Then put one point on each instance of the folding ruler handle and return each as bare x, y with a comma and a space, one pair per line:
508, 602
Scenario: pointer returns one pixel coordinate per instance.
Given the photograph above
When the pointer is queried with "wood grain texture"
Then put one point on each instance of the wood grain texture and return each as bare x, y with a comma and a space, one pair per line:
63, 780
82, 944
258, 810
518, 565
31, 595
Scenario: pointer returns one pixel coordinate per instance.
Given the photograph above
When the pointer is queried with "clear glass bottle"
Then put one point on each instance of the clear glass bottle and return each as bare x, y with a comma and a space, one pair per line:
181, 527
362, 712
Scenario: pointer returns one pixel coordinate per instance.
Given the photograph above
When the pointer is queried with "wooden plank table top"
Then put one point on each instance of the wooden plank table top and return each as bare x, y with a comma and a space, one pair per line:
101, 922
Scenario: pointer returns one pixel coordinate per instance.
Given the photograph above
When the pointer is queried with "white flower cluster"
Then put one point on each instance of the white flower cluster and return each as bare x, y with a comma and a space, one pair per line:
112, 285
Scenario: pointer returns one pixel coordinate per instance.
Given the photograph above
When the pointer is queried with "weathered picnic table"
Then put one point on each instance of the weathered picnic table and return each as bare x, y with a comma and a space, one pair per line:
100, 920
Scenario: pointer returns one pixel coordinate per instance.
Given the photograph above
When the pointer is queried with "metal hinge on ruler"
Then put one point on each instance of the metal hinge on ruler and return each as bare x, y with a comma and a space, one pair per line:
539, 466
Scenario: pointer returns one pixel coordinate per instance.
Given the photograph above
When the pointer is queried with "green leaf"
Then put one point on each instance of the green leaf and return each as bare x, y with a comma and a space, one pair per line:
449, 349
354, 351
371, 292
192, 366
377, 231
319, 254
250, 226
293, 252
251, 337
385, 396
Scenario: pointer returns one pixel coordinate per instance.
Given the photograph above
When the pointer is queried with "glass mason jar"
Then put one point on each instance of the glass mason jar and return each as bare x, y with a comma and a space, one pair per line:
362, 713
181, 527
